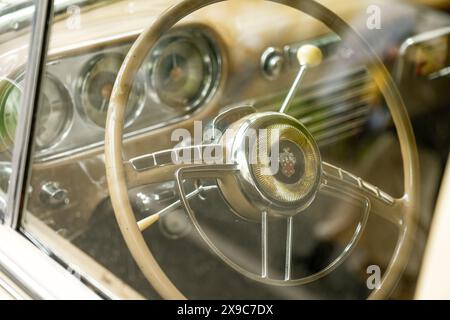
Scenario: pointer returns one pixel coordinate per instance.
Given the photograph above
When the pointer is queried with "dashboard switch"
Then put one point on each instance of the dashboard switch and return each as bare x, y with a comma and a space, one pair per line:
272, 63
53, 195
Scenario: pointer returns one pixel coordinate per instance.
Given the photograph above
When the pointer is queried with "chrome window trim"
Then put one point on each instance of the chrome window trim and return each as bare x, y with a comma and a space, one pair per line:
37, 274
10, 289
22, 149
106, 286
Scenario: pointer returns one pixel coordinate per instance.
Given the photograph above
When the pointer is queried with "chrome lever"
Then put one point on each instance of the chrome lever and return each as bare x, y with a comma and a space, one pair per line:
308, 56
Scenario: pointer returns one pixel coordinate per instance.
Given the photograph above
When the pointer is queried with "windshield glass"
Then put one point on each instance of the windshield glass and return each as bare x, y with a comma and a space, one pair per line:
323, 226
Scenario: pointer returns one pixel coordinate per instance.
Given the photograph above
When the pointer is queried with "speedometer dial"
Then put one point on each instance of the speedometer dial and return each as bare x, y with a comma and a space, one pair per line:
178, 74
96, 84
184, 69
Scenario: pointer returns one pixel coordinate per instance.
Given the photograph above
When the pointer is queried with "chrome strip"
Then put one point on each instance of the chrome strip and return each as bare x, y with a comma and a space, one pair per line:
38, 275
288, 265
332, 172
422, 37
7, 285
42, 158
25, 128
264, 245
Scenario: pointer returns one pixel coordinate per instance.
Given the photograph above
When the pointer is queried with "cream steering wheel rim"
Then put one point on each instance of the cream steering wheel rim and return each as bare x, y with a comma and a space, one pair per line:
116, 175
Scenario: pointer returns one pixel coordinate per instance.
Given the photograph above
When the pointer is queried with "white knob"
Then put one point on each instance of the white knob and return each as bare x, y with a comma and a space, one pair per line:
309, 56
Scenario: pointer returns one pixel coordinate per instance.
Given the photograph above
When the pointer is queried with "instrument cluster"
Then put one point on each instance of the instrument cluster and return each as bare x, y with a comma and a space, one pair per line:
180, 75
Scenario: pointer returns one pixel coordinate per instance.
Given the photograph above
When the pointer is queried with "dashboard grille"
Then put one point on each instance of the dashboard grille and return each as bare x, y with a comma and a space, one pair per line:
333, 109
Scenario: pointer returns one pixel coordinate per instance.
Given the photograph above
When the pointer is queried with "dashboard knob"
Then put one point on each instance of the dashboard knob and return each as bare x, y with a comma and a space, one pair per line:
309, 56
53, 195
272, 63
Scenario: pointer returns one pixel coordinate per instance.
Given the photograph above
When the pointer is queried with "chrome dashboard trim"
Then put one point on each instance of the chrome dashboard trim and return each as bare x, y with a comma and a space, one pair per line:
422, 37
100, 144
117, 42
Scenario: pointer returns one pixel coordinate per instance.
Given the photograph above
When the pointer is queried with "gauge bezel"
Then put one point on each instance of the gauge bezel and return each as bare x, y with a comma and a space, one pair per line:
81, 87
203, 39
64, 92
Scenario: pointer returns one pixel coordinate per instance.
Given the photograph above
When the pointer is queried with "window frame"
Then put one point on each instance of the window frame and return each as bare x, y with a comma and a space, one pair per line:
22, 149
33, 273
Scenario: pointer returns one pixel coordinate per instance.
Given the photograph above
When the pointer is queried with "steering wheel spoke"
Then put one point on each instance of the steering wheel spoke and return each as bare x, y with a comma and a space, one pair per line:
380, 202
161, 166
288, 262
265, 247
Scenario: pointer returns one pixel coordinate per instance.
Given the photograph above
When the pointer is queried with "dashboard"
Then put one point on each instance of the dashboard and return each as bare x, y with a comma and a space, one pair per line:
180, 75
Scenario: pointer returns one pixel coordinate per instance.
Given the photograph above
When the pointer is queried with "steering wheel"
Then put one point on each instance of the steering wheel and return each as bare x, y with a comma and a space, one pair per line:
249, 192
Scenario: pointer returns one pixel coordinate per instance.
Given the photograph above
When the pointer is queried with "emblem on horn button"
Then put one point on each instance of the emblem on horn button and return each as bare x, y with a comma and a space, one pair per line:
291, 163
287, 161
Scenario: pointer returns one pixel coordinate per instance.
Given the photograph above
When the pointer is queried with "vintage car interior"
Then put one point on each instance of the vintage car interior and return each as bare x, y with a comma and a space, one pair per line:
90, 184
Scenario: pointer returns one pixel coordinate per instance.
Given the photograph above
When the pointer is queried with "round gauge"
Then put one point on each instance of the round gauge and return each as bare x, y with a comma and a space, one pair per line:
55, 110
96, 86
10, 98
54, 115
184, 69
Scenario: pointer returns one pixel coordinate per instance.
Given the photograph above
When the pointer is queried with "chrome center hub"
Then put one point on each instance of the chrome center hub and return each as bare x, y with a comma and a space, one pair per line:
279, 166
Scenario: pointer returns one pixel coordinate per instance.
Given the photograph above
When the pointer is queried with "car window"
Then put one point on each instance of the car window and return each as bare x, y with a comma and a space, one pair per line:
210, 236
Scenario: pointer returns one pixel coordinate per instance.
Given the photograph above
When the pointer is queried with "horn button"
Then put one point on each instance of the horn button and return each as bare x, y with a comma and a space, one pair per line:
279, 166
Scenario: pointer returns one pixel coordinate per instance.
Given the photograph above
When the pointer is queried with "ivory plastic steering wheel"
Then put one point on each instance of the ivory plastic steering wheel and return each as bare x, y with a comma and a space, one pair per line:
249, 193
